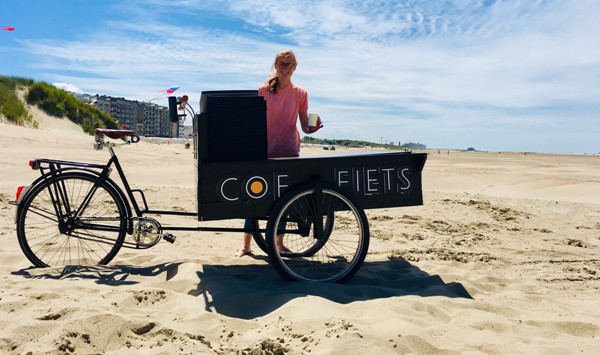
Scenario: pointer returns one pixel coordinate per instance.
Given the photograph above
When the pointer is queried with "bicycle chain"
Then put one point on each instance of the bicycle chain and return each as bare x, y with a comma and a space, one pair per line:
135, 235
107, 219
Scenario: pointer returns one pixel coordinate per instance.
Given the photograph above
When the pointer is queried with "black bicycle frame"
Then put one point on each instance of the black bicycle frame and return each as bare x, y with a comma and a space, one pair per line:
65, 212
58, 195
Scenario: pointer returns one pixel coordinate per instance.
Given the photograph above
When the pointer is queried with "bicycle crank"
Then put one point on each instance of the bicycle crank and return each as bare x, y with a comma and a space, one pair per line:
147, 232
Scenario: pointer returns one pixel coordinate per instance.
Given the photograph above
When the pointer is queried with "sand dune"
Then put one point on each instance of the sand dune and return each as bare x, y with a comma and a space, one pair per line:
504, 257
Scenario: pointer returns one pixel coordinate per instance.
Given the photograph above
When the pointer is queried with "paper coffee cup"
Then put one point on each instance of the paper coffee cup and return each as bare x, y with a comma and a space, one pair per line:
312, 119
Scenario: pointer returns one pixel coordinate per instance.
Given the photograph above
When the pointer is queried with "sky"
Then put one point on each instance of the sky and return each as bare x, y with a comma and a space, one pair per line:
519, 76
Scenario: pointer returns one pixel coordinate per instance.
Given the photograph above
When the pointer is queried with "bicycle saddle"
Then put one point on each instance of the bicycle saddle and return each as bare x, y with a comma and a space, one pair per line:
115, 133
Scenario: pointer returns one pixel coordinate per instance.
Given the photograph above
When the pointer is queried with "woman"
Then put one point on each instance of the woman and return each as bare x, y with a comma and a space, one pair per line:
286, 102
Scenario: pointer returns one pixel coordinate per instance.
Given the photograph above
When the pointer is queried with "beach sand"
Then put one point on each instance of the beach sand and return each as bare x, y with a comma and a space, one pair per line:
503, 257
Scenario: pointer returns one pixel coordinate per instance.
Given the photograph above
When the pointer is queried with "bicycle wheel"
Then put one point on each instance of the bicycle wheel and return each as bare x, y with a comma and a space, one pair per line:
302, 227
331, 252
258, 237
69, 222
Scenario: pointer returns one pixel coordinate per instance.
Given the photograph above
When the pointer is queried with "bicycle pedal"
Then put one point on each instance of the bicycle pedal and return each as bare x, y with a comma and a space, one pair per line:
169, 238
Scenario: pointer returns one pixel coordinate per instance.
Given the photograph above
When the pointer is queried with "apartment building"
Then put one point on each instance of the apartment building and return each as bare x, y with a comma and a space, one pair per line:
145, 118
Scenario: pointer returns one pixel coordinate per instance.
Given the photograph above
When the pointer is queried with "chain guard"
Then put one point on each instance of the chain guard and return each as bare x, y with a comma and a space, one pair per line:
147, 232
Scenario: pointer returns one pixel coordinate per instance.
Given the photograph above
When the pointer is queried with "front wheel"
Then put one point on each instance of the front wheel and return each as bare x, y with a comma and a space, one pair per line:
337, 249
306, 245
258, 237
68, 220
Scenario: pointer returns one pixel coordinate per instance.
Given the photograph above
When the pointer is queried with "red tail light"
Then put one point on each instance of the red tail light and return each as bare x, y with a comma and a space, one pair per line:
19, 191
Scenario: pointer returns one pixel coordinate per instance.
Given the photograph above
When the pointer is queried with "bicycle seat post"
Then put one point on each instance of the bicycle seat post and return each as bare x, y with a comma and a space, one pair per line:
110, 149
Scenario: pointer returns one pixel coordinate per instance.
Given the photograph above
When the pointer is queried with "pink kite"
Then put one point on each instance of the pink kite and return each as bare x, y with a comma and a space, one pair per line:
7, 28
164, 93
172, 89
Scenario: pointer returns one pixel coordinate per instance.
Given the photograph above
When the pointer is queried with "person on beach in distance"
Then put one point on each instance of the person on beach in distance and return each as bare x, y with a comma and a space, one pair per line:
286, 102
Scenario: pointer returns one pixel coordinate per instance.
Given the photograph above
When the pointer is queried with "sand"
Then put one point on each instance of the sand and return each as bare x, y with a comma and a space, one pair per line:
502, 258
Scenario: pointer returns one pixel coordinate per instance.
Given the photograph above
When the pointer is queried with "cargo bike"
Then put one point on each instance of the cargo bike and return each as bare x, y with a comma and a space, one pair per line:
75, 213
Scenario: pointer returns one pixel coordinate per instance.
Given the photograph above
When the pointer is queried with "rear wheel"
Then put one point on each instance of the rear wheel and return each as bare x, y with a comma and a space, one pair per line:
68, 221
326, 251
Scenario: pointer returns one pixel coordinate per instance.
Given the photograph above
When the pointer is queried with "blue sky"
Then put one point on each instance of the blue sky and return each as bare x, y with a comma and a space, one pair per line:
494, 75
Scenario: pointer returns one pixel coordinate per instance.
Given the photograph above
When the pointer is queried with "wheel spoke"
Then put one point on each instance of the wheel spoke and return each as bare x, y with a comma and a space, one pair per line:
342, 245
94, 237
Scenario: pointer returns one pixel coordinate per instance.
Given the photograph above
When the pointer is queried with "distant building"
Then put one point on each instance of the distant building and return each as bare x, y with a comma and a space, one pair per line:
186, 132
156, 121
145, 118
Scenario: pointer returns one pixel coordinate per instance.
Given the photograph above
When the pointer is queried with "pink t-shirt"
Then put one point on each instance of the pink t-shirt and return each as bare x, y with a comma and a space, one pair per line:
282, 115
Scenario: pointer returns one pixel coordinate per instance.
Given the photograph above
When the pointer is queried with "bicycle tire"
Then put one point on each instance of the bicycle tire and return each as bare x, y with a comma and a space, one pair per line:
303, 225
337, 254
93, 236
258, 237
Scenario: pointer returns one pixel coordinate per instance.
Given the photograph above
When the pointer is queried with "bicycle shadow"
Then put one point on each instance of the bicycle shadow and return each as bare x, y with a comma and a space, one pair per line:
111, 275
251, 291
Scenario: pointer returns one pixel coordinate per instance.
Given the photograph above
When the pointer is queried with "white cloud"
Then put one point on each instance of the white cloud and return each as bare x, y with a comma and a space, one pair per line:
68, 87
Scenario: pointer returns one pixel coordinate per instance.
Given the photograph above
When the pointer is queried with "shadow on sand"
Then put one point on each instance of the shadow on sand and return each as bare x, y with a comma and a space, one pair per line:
250, 291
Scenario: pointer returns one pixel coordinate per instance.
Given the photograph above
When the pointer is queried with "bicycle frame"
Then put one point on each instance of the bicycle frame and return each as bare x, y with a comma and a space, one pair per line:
59, 197
127, 194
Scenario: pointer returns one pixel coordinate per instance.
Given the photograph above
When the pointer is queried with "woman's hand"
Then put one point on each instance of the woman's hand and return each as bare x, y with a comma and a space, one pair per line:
304, 123
313, 129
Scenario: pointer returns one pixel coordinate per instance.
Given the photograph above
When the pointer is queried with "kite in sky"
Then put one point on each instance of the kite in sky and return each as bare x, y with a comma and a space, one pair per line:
164, 93
7, 28
172, 89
